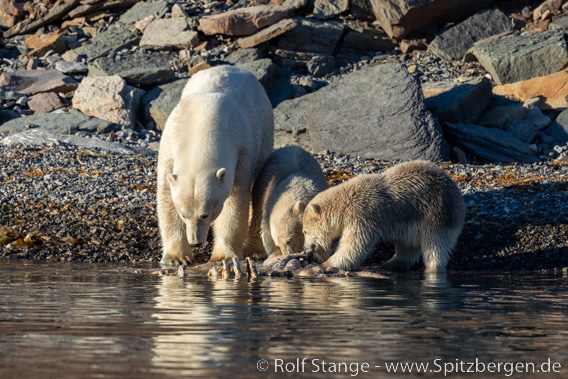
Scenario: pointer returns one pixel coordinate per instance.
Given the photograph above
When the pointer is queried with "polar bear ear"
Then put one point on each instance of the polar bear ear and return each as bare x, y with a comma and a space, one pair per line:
171, 179
221, 175
298, 208
315, 208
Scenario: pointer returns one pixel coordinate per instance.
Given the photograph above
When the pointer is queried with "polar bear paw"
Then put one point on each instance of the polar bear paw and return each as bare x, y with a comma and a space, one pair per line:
221, 255
176, 259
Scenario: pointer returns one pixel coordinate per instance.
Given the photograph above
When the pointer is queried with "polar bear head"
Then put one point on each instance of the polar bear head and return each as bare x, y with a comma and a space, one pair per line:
321, 227
286, 226
199, 200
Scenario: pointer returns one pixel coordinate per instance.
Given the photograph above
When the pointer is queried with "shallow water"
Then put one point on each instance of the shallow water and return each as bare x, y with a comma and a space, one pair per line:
78, 320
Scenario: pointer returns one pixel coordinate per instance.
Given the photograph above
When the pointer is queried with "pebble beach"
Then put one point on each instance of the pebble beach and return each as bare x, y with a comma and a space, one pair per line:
73, 204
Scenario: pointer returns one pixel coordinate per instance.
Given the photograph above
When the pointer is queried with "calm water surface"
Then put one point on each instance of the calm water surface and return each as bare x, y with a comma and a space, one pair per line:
79, 321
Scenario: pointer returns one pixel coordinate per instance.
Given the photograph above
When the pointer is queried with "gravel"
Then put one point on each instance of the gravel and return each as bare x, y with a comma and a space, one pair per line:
64, 203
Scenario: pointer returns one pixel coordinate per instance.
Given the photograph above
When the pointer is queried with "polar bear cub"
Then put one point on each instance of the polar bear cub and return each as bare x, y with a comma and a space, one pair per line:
416, 205
213, 145
288, 180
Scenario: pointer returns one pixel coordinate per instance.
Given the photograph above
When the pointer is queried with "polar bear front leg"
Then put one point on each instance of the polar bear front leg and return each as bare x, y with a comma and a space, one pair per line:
354, 246
230, 228
175, 248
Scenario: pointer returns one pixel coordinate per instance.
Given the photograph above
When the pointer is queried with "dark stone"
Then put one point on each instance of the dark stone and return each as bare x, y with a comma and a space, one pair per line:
462, 104
376, 112
456, 41
136, 69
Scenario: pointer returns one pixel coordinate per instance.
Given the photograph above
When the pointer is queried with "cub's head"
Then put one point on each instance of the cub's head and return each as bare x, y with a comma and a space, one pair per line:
316, 231
286, 227
199, 201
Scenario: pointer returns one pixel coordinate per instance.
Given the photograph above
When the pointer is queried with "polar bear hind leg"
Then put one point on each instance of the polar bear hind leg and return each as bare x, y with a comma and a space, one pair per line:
405, 257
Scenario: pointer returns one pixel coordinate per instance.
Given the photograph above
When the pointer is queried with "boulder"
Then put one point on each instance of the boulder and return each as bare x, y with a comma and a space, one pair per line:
312, 36
325, 9
160, 101
559, 128
170, 33
244, 55
142, 10
30, 82
41, 137
363, 39
290, 123
320, 66
41, 44
376, 112
243, 21
560, 23
62, 123
461, 104
108, 98
267, 34
276, 82
7, 115
550, 6
522, 57
456, 41
399, 18
500, 116
524, 130
361, 10
45, 102
490, 144
71, 67
104, 44
136, 69
553, 88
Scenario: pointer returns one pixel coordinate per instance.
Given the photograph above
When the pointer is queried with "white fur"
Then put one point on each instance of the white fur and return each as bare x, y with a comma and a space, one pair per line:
416, 205
289, 179
212, 147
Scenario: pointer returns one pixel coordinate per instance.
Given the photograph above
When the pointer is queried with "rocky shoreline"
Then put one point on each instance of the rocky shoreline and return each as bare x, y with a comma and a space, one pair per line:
75, 204
86, 87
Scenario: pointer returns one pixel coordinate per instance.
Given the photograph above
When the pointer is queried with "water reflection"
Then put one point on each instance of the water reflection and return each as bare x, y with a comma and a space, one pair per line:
88, 320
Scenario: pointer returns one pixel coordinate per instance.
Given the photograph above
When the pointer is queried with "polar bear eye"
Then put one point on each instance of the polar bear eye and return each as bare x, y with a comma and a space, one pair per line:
305, 231
203, 217
289, 241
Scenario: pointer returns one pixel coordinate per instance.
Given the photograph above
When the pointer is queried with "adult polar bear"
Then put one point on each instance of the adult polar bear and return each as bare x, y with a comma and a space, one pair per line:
213, 145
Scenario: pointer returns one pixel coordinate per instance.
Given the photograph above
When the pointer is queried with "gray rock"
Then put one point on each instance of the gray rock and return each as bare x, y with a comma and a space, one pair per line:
264, 70
142, 10
456, 41
400, 18
325, 9
71, 67
7, 115
244, 55
494, 144
320, 66
559, 128
290, 123
61, 123
390, 122
462, 104
105, 44
293, 264
522, 57
136, 69
312, 36
361, 10
108, 98
29, 82
41, 137
559, 23
281, 89
363, 39
10, 95
501, 116
536, 116
160, 101
524, 130
169, 33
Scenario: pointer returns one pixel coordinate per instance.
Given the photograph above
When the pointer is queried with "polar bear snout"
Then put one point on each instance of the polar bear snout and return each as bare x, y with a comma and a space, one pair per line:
196, 233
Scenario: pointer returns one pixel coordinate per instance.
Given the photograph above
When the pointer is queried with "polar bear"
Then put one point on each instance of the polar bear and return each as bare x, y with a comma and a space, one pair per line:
213, 145
416, 205
288, 180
